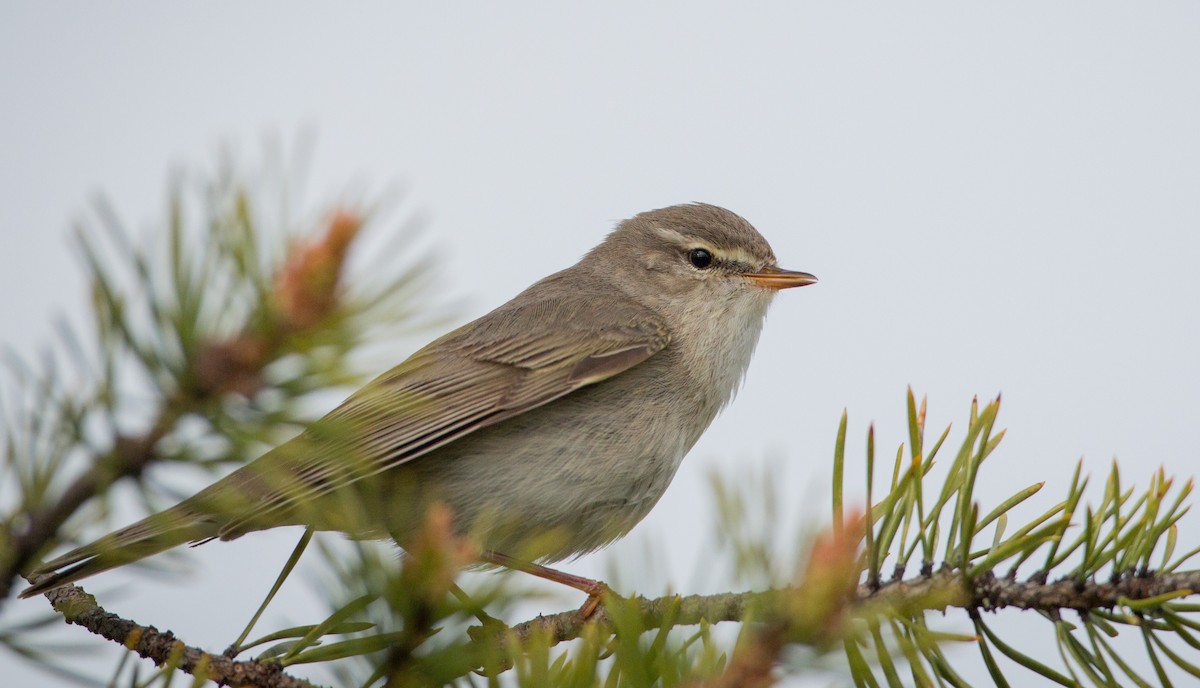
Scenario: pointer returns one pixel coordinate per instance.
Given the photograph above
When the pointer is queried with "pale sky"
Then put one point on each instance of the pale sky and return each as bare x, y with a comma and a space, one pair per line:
996, 198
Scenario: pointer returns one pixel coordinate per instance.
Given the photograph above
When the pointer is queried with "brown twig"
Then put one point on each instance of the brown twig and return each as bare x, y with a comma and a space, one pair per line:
990, 593
684, 611
945, 589
163, 648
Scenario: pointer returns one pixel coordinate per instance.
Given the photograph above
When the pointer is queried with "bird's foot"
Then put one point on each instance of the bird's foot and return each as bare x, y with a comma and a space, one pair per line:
596, 594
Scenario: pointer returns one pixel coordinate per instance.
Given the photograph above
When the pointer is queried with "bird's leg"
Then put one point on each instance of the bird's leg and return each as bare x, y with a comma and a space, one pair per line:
595, 589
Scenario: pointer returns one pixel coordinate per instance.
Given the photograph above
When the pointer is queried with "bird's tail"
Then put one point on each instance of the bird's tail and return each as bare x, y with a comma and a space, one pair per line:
157, 533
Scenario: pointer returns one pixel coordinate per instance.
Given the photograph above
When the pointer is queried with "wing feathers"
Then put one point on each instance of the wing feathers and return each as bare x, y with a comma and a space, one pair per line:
453, 387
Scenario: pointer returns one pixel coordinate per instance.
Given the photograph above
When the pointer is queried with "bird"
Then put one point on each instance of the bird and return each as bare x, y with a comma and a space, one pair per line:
549, 427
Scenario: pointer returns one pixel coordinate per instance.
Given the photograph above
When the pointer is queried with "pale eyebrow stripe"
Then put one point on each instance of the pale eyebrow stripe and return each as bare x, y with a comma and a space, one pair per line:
735, 255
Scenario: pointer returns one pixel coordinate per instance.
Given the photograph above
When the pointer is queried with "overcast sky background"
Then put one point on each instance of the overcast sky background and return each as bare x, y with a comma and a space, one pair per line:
996, 198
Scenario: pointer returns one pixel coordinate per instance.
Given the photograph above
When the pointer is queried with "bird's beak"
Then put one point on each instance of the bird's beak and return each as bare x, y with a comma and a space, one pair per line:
778, 278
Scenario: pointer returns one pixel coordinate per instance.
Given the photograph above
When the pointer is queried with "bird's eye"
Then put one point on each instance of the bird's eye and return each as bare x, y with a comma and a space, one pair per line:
700, 258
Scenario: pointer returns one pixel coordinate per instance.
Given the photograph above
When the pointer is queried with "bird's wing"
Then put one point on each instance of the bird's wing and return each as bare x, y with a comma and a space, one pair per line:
517, 358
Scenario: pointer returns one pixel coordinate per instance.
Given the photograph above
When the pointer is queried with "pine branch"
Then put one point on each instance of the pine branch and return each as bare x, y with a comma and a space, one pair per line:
208, 336
909, 597
988, 593
202, 319
920, 593
128, 458
163, 648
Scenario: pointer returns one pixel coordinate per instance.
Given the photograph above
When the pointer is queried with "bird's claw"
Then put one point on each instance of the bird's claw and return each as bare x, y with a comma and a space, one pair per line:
596, 594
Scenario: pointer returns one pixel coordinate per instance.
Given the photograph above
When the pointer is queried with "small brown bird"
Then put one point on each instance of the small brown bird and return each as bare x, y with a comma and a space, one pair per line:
550, 426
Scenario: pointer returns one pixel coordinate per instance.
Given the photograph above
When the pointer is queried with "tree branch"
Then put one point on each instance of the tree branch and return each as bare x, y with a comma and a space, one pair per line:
936, 591
163, 648
947, 588
991, 593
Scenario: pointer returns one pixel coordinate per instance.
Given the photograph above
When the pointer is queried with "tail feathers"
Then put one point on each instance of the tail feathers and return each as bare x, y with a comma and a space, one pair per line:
158, 533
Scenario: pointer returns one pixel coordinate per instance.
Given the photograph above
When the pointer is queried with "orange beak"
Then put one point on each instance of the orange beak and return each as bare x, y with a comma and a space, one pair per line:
778, 278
